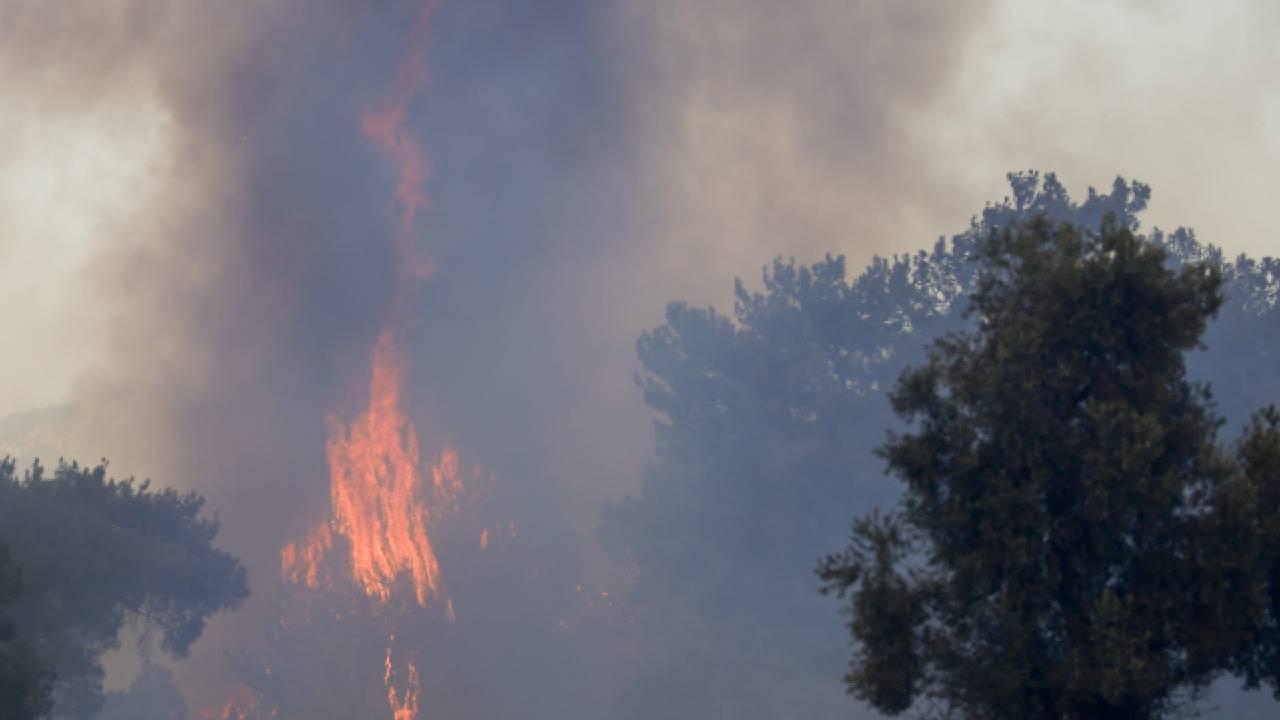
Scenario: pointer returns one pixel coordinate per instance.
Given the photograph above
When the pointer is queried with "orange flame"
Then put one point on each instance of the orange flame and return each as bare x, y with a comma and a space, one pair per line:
376, 494
403, 707
379, 503
386, 129
301, 563
243, 706
375, 490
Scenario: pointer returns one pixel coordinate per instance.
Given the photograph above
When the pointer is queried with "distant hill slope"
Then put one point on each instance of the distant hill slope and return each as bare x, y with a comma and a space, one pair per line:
42, 433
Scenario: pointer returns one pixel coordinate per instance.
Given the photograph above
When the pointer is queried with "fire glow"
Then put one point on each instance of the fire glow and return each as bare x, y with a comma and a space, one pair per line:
244, 706
380, 506
377, 494
403, 706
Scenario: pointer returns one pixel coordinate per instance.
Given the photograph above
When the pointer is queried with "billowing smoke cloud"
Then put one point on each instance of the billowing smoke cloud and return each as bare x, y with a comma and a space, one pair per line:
790, 131
239, 302
588, 163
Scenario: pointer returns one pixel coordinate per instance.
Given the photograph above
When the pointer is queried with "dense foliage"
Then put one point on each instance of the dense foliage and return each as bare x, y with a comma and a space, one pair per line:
25, 681
98, 553
766, 424
1071, 537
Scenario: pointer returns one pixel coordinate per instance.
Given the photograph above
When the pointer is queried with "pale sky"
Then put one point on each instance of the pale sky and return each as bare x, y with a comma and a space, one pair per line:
69, 186
1181, 94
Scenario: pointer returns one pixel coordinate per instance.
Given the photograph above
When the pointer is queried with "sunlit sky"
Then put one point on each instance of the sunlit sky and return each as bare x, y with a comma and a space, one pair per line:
1180, 94
68, 185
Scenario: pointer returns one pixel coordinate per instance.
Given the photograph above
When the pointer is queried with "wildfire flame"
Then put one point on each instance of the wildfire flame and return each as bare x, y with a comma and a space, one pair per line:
302, 564
403, 707
375, 487
243, 706
385, 128
377, 496
380, 505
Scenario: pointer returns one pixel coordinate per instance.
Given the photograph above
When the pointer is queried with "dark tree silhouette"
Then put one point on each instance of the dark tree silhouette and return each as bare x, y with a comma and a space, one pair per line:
25, 681
766, 420
1072, 541
99, 553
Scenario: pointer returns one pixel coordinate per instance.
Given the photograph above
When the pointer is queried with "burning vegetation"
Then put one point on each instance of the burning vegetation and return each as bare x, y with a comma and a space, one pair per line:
381, 507
382, 511
362, 377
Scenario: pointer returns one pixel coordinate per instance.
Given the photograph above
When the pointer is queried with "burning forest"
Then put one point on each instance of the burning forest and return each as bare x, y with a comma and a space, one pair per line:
386, 499
465, 360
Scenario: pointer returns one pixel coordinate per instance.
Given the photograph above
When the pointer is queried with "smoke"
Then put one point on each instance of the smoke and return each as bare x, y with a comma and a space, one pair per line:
790, 131
588, 162
1165, 91
237, 299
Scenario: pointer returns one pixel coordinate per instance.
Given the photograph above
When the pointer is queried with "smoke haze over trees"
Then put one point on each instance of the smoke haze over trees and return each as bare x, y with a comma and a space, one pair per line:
212, 235
766, 426
97, 555
26, 682
151, 696
767, 420
1072, 541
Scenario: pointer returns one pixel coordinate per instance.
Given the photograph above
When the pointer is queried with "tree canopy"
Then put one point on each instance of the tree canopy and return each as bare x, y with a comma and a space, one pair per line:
97, 554
766, 418
1072, 541
25, 681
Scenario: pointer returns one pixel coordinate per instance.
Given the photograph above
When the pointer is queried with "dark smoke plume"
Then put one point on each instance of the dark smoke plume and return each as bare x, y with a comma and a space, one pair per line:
588, 162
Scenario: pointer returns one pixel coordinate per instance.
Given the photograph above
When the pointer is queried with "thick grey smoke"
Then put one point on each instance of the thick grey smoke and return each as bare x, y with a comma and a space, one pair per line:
589, 162
235, 303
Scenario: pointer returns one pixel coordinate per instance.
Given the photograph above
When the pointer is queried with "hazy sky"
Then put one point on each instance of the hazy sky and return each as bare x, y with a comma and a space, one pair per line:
1180, 94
